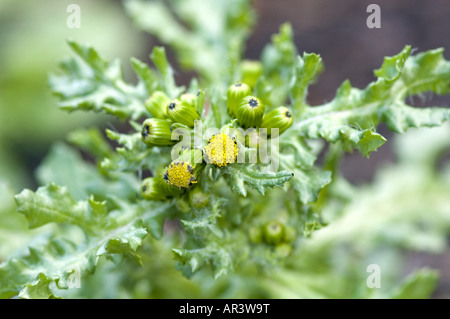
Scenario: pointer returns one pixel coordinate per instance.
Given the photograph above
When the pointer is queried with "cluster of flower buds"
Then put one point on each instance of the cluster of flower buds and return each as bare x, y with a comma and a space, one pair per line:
156, 131
276, 234
249, 111
220, 150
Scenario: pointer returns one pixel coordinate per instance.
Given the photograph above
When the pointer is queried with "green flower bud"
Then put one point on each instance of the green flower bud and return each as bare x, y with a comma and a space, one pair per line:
250, 112
221, 150
283, 250
236, 92
151, 189
197, 198
157, 132
280, 118
156, 104
251, 70
183, 172
255, 234
273, 232
182, 112
189, 98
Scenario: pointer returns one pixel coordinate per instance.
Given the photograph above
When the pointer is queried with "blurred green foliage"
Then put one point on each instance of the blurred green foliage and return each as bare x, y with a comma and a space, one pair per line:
33, 38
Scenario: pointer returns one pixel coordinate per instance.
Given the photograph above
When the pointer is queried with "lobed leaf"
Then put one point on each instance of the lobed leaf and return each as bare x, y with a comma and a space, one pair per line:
353, 115
53, 204
114, 229
212, 256
92, 83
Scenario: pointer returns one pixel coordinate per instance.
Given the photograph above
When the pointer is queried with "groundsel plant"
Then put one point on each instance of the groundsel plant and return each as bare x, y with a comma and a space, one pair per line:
218, 178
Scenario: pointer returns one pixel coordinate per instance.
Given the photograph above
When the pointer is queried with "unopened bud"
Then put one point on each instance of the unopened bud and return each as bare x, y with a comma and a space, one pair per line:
236, 92
156, 104
280, 118
182, 112
250, 112
157, 132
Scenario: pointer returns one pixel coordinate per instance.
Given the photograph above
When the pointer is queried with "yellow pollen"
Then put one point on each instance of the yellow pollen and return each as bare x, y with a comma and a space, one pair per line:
221, 150
180, 174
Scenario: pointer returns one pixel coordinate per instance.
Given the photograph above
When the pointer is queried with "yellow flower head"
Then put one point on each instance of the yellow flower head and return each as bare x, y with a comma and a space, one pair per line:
180, 174
221, 150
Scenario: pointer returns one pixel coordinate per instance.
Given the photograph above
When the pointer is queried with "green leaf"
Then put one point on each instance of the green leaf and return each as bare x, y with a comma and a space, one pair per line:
147, 76
135, 155
419, 285
304, 154
130, 141
279, 69
392, 66
307, 69
30, 276
352, 116
156, 17
400, 117
38, 289
127, 243
240, 175
213, 256
83, 179
159, 58
53, 169
298, 157
92, 141
309, 182
56, 261
13, 227
204, 218
427, 71
281, 52
53, 204
96, 84
115, 229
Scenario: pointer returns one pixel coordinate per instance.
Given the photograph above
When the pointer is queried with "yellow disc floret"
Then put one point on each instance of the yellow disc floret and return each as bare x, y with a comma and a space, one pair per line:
221, 150
180, 174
